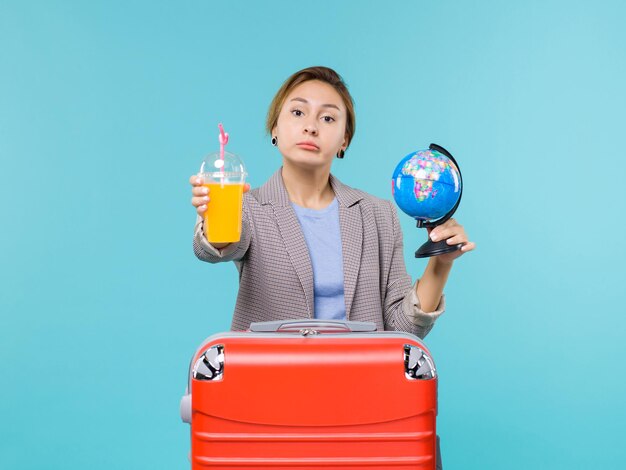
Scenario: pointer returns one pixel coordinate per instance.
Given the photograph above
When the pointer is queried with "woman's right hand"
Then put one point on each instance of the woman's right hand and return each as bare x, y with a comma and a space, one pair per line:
200, 194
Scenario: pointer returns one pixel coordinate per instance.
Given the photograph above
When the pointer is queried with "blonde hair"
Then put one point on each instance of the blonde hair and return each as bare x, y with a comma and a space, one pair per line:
323, 74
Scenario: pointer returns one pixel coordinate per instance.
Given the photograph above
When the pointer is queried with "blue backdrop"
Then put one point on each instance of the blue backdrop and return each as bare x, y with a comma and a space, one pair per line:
106, 109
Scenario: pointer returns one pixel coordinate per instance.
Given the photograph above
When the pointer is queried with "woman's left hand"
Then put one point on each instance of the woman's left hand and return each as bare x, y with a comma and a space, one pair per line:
453, 233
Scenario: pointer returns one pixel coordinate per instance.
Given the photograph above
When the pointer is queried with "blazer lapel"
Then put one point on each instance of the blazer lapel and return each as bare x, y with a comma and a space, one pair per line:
275, 194
351, 227
350, 224
298, 251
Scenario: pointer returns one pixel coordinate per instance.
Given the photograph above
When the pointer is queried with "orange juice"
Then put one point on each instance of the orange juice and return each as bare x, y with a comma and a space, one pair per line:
222, 219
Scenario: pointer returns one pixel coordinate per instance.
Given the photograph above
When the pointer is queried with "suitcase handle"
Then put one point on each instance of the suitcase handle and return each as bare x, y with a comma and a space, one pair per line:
312, 326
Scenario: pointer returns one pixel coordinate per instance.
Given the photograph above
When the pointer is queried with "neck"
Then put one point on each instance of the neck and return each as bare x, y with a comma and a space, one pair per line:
308, 187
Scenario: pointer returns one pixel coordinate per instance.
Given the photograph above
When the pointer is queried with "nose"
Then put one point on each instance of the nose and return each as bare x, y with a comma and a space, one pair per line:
310, 128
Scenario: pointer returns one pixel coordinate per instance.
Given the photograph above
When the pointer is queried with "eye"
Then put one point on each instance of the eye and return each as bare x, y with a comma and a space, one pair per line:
296, 112
328, 118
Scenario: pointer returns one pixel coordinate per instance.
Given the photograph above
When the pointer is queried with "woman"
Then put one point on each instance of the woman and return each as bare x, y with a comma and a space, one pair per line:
312, 247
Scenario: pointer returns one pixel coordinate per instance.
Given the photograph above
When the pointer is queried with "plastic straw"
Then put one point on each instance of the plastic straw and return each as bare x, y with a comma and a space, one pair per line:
223, 138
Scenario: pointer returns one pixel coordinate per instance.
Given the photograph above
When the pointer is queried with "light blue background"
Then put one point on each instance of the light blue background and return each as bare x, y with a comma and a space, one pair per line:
106, 108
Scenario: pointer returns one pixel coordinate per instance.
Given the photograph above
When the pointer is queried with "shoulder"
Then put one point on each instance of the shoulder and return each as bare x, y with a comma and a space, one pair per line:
383, 211
256, 197
381, 207
376, 202
380, 220
348, 196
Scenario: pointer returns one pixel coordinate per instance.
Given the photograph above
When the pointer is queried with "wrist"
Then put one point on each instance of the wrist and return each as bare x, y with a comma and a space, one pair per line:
439, 264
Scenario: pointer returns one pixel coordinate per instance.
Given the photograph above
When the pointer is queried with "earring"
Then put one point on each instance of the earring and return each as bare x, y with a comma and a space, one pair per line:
274, 141
341, 153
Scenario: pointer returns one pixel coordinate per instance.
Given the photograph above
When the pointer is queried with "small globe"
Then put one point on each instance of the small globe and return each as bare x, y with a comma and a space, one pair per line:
426, 185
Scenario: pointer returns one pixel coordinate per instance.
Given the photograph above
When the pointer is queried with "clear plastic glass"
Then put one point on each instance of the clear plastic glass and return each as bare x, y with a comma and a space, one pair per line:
225, 179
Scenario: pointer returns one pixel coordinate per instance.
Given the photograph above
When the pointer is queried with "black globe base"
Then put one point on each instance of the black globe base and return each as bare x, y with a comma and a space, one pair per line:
431, 248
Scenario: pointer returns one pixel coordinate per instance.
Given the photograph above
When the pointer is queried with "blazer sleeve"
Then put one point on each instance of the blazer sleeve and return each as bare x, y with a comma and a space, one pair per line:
401, 307
233, 252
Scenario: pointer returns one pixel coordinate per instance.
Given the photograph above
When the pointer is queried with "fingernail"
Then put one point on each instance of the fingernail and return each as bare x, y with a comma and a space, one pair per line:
206, 199
198, 181
433, 237
205, 190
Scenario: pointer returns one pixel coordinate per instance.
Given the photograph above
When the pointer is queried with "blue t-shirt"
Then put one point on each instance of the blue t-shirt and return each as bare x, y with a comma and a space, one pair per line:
323, 238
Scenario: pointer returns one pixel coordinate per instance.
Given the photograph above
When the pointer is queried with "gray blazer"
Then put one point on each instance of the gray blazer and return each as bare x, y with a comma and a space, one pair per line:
275, 273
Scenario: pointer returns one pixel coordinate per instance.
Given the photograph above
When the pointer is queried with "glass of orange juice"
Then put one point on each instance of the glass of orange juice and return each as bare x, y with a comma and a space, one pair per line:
224, 175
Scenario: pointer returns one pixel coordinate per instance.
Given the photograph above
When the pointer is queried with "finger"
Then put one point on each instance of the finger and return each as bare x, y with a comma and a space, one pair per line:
455, 240
449, 223
201, 210
200, 191
447, 229
200, 201
246, 187
469, 246
196, 180
443, 233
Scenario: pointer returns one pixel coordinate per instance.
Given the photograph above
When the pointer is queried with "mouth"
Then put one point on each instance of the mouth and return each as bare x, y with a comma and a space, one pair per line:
307, 146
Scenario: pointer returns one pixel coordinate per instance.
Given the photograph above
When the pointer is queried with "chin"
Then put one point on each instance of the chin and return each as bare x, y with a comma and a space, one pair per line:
304, 164
312, 160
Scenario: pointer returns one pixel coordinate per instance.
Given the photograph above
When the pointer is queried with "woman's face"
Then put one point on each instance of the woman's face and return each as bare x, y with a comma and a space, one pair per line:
311, 126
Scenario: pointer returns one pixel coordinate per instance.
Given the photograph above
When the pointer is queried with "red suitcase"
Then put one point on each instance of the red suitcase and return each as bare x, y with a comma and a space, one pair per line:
312, 394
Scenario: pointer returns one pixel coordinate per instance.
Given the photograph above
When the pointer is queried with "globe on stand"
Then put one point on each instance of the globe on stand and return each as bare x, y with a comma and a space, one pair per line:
427, 185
